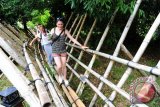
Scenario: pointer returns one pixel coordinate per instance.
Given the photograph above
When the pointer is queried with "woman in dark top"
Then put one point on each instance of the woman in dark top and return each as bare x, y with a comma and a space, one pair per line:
59, 49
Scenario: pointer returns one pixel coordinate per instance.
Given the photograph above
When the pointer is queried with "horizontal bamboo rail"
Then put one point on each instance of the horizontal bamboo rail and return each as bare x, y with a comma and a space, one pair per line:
84, 79
152, 70
110, 84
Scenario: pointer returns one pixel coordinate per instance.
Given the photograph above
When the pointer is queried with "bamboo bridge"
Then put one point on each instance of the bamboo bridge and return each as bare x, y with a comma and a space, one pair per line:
44, 91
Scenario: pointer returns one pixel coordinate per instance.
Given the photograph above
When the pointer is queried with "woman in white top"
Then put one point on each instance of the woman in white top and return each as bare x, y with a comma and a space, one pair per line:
46, 43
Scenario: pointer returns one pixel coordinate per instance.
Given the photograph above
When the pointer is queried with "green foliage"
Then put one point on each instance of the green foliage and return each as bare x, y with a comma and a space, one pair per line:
39, 18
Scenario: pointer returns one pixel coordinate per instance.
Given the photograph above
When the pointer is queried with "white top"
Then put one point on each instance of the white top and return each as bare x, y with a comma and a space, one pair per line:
44, 38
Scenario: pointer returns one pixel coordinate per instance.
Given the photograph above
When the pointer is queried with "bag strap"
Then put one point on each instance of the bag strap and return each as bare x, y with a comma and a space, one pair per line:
55, 39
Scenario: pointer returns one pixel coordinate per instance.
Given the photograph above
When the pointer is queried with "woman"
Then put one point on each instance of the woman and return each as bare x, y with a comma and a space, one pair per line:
59, 49
43, 37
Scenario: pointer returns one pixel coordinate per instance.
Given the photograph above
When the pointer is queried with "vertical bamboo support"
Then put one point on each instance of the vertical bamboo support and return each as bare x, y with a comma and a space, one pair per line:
69, 20
42, 92
75, 30
79, 31
81, 85
74, 23
125, 50
138, 54
16, 79
85, 43
116, 52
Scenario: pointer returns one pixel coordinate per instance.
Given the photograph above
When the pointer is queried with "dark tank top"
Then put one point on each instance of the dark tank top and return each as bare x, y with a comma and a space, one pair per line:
59, 45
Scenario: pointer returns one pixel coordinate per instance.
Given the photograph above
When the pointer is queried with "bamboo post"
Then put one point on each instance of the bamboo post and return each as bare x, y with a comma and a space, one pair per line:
110, 84
42, 92
139, 53
125, 50
16, 79
79, 31
81, 85
73, 26
69, 20
12, 52
116, 52
73, 23
75, 30
85, 43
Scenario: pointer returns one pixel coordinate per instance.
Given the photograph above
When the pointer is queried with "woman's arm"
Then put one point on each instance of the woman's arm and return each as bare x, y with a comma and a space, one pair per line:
74, 40
33, 40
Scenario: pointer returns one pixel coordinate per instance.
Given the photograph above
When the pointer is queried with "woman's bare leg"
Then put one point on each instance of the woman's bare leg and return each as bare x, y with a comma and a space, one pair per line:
64, 69
58, 62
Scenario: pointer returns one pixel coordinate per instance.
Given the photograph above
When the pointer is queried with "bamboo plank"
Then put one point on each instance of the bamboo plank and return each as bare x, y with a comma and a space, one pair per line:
42, 92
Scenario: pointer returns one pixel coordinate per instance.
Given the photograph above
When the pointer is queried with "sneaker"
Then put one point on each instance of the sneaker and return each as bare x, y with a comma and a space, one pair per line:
60, 79
66, 82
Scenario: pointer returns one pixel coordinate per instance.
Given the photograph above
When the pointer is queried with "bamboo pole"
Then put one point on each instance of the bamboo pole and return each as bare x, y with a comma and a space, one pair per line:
81, 85
15, 32
110, 84
12, 52
132, 64
72, 97
10, 34
53, 82
11, 41
57, 90
42, 92
75, 97
1, 75
69, 20
79, 31
75, 30
54, 95
73, 23
67, 94
139, 53
16, 79
123, 36
85, 43
125, 50
90, 84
